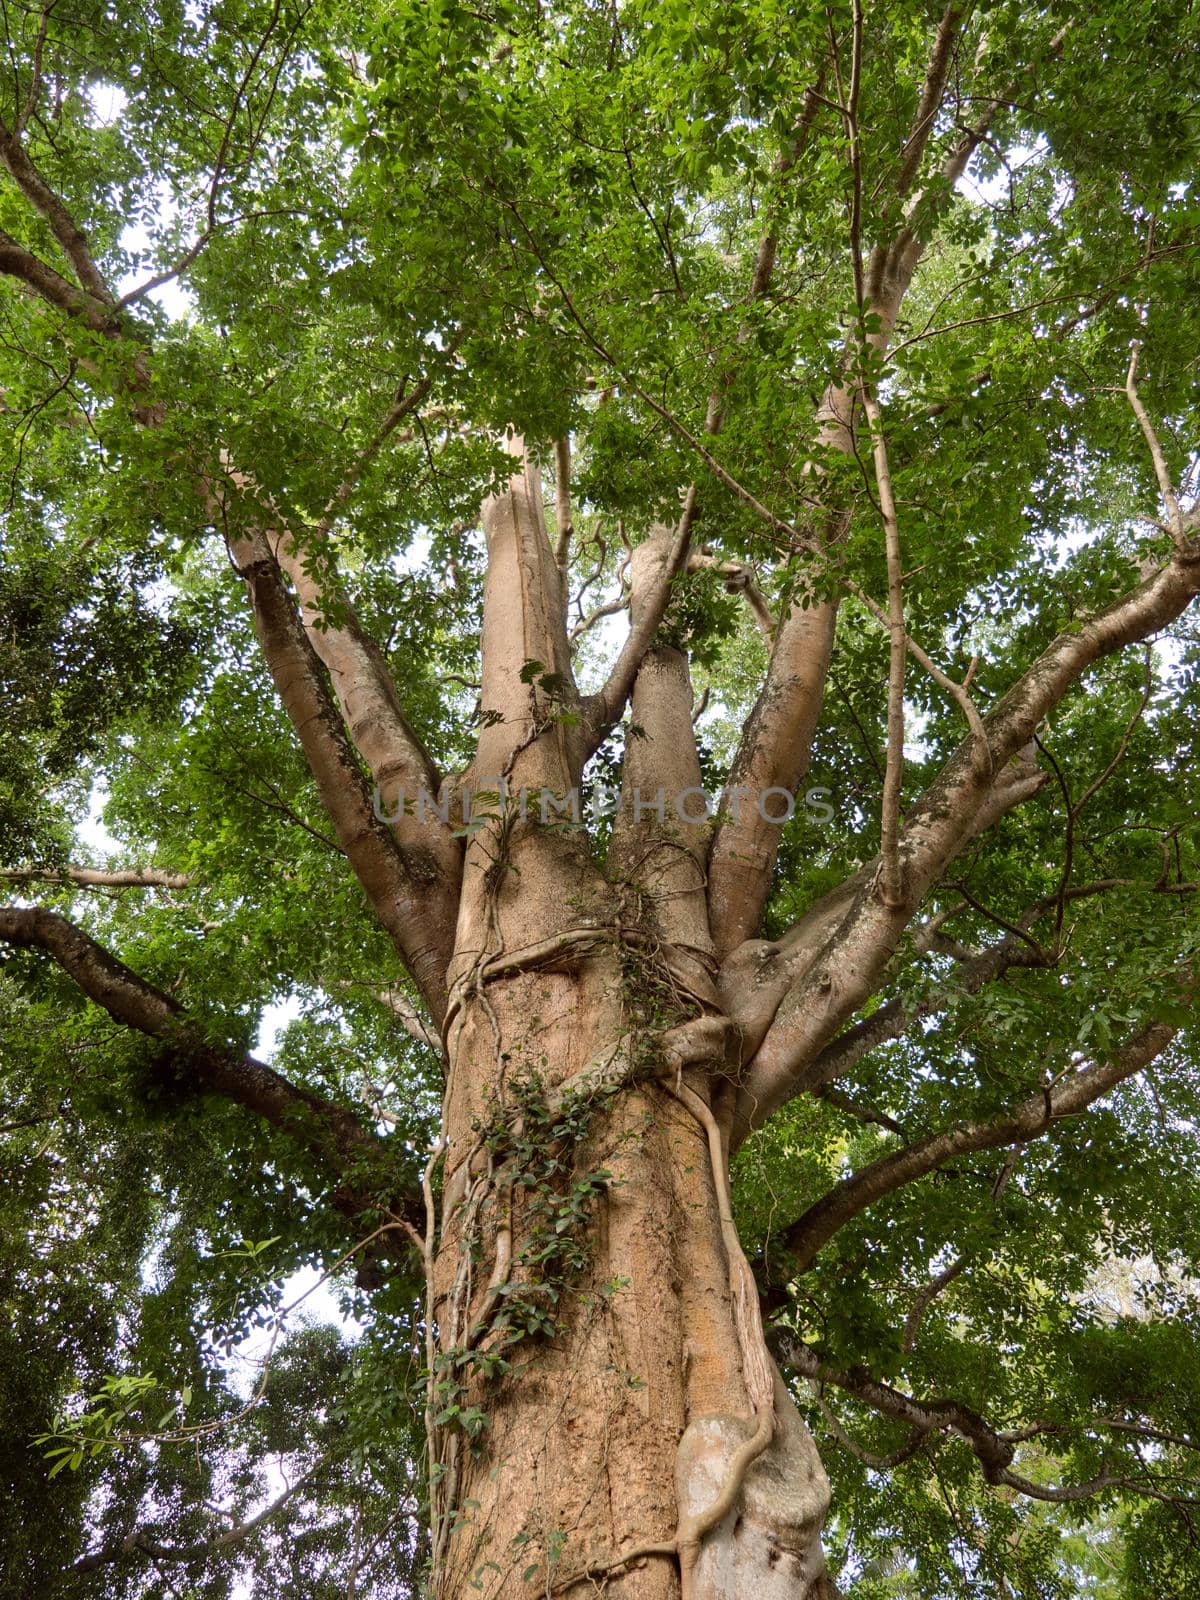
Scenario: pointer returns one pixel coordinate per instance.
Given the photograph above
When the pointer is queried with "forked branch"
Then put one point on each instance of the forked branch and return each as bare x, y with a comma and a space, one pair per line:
833, 986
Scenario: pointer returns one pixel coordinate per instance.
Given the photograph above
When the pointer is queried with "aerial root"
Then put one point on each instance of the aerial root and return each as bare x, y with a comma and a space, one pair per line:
756, 1365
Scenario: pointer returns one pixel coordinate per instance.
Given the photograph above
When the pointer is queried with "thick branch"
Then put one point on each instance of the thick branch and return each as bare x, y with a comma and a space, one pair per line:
395, 757
661, 833
670, 550
776, 742
18, 262
1027, 1120
775, 754
562, 502
530, 739
70, 236
524, 622
97, 878
836, 984
395, 883
930, 102
758, 975
329, 1131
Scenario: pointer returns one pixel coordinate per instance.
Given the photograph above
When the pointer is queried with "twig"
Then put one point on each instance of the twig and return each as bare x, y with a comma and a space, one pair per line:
404, 405
610, 608
1123, 747
1165, 487
925, 1299
35, 81
891, 883
916, 1439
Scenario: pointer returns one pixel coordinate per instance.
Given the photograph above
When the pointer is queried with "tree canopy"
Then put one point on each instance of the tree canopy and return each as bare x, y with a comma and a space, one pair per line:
331, 259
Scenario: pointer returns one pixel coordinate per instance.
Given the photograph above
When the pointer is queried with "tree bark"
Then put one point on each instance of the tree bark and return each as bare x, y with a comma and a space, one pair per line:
629, 1412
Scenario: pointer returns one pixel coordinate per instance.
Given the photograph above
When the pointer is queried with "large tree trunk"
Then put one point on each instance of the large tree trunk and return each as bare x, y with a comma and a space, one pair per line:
597, 1323
623, 1423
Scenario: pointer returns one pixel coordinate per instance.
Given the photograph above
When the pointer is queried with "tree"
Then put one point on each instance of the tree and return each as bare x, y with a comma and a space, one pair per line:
858, 348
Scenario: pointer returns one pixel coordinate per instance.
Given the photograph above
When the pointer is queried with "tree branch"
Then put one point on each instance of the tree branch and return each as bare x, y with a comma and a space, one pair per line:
329, 1131
670, 548
412, 886
396, 882
662, 849
408, 1016
98, 878
758, 977
930, 102
774, 753
395, 757
35, 75
925, 1298
890, 880
605, 708
1029, 1119
899, 259
18, 262
835, 984
892, 1020
775, 746
562, 501
738, 577
140, 1542
1166, 488
70, 236
404, 405
994, 1449
926, 1416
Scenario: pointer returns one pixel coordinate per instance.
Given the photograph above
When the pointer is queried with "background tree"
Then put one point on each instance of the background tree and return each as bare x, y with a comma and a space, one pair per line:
858, 349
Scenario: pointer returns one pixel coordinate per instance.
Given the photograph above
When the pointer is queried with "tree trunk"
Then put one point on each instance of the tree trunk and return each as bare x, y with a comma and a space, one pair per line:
604, 1408
582, 1246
